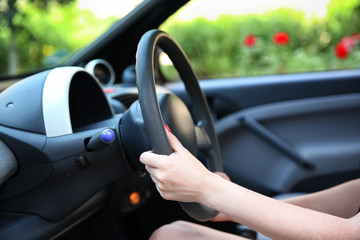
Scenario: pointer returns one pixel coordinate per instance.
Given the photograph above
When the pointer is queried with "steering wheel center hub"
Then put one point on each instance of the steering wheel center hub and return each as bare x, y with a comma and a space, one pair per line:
177, 116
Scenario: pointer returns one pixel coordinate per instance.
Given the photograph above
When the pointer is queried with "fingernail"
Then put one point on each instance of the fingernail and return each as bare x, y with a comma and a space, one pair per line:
167, 127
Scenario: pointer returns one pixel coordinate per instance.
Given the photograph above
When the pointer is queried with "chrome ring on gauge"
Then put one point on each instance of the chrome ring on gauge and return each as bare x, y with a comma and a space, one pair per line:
102, 71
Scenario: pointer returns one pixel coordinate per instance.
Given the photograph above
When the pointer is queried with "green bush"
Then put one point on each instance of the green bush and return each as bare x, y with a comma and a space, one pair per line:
46, 36
217, 49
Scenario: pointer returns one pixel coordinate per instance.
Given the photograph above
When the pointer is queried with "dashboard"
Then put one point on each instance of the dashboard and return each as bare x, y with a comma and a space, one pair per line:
49, 119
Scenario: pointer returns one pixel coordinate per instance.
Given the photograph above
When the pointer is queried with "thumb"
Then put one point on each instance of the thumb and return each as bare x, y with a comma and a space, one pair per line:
174, 142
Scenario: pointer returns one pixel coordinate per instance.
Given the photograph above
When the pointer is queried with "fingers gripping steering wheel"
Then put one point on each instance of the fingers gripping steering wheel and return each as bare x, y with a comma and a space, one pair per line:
204, 134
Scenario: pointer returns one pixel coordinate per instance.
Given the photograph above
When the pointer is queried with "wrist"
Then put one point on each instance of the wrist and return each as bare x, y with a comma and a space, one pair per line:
211, 185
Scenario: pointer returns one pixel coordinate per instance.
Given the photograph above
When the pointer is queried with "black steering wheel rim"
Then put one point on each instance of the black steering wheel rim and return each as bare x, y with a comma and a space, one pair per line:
154, 125
148, 99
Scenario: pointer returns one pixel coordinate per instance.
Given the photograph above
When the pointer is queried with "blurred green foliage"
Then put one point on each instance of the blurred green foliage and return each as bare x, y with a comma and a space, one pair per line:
45, 34
217, 49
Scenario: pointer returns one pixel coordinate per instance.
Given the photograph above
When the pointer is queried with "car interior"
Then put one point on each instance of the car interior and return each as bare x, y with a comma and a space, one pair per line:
71, 136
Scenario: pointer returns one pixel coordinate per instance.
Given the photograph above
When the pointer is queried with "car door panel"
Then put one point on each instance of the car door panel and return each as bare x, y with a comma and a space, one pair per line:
251, 91
323, 131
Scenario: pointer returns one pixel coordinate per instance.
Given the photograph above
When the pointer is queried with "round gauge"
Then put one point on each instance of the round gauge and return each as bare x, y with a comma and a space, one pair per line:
102, 70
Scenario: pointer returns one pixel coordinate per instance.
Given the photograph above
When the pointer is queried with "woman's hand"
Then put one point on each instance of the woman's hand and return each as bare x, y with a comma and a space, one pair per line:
179, 176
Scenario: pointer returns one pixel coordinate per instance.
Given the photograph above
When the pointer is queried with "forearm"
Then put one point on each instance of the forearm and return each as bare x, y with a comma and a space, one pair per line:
274, 218
342, 200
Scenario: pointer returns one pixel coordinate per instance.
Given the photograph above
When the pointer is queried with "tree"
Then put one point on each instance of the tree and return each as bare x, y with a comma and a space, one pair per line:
9, 9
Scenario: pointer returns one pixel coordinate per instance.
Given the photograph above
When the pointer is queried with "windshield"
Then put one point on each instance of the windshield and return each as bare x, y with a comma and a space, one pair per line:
39, 34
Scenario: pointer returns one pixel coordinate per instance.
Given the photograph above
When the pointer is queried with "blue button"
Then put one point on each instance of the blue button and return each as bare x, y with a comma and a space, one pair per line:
107, 135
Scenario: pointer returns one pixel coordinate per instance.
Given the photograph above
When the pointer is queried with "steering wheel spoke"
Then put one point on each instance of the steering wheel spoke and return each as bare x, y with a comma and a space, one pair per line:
202, 139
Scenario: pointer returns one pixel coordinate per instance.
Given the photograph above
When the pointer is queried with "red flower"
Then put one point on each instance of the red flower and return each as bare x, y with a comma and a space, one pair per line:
341, 50
250, 40
281, 38
346, 45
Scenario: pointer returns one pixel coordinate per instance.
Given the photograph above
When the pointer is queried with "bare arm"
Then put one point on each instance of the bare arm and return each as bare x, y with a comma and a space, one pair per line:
276, 219
182, 177
342, 200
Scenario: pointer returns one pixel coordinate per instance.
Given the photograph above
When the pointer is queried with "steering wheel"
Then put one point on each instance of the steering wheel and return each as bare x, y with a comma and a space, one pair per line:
196, 132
